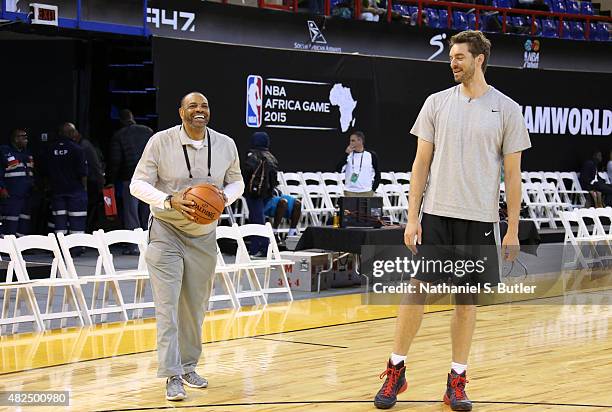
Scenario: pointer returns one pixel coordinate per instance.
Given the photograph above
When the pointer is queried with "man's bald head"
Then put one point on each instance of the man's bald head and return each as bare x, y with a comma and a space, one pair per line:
190, 97
67, 130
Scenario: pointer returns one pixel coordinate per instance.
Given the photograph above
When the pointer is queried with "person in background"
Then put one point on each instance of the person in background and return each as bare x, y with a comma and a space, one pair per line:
260, 173
126, 148
16, 183
360, 166
282, 206
66, 172
591, 181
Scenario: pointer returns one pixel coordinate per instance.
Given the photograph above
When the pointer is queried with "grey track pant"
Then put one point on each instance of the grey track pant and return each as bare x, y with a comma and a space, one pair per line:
181, 269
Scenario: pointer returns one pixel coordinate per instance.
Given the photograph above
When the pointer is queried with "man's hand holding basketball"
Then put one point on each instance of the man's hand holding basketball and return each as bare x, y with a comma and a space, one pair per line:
412, 235
181, 205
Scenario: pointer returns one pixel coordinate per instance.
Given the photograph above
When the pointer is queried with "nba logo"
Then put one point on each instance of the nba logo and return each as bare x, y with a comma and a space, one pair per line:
254, 100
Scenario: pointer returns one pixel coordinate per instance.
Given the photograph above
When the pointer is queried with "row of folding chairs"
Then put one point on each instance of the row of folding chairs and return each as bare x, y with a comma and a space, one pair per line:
567, 185
63, 276
107, 296
589, 233
544, 193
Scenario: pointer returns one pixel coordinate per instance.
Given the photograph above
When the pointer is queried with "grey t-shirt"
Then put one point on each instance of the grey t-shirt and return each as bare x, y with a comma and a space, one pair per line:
470, 138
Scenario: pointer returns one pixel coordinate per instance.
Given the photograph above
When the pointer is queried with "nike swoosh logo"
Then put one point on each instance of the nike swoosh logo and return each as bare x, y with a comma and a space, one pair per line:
488, 233
495, 111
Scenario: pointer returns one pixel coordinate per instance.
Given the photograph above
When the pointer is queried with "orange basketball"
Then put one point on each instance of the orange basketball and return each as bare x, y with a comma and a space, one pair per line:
208, 201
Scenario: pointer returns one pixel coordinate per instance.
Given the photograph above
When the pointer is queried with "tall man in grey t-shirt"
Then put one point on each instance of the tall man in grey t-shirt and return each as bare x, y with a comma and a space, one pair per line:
465, 133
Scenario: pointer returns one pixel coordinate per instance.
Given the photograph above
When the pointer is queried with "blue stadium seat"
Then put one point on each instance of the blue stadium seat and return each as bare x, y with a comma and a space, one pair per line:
413, 10
586, 7
558, 6
443, 19
518, 21
538, 25
432, 18
549, 28
602, 31
460, 21
593, 33
577, 30
549, 4
472, 21
566, 30
501, 4
572, 6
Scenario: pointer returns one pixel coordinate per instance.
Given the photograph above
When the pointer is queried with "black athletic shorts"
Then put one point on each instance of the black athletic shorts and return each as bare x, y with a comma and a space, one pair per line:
466, 248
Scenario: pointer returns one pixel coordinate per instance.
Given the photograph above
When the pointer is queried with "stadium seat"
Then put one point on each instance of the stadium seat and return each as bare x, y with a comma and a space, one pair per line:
593, 33
471, 21
572, 6
432, 18
460, 21
602, 31
558, 6
586, 7
519, 22
443, 19
549, 28
566, 31
577, 30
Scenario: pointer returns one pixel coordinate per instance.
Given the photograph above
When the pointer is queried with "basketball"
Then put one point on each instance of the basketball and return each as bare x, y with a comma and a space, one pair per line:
209, 203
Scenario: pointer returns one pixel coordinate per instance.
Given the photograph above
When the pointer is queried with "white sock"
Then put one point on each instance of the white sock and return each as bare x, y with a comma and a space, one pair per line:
292, 232
396, 359
458, 367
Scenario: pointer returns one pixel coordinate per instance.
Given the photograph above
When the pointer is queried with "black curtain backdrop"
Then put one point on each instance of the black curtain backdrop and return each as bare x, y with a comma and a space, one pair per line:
389, 95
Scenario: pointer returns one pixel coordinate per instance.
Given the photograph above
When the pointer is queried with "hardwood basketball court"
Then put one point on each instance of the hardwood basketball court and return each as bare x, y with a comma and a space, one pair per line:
326, 354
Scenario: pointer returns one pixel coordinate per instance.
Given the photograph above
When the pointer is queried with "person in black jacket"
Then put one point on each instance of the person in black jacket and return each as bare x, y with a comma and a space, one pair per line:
360, 166
259, 171
591, 181
126, 148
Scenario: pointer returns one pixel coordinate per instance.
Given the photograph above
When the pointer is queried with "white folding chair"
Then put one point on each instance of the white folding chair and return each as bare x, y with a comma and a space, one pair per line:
397, 202
223, 270
525, 177
73, 301
311, 178
535, 177
331, 178
539, 209
387, 178
572, 190
242, 263
273, 257
334, 192
24, 293
402, 178
321, 203
291, 179
598, 233
140, 274
67, 242
239, 210
580, 239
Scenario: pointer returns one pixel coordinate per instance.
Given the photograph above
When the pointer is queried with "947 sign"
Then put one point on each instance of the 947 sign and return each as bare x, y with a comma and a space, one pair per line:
171, 18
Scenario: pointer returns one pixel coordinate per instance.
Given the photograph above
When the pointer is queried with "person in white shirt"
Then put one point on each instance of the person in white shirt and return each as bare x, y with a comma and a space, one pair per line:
360, 166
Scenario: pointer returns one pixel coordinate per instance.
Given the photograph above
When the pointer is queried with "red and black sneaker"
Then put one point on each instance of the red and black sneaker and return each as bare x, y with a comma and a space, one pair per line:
455, 395
394, 385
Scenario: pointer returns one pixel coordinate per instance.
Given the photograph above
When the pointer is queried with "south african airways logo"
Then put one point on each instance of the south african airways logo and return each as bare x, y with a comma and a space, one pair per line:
254, 100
